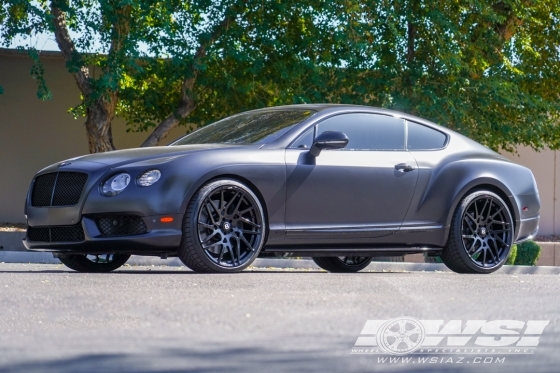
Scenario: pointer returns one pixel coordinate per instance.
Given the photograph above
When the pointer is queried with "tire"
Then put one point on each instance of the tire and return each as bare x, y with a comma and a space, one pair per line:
342, 264
94, 263
481, 234
224, 228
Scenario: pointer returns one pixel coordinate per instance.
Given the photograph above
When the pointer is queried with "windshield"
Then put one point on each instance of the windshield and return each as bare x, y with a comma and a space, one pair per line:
259, 127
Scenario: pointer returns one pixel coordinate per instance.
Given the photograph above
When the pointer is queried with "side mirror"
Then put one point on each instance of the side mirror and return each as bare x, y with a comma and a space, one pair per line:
328, 140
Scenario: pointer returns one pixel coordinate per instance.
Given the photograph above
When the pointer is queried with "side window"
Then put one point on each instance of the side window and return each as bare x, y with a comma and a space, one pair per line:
424, 138
305, 141
367, 131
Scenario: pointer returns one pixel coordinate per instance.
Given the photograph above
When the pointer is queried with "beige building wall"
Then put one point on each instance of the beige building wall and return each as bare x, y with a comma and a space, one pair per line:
546, 168
35, 134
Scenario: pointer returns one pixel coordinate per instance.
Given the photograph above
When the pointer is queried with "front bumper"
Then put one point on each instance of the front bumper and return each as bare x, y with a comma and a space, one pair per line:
160, 238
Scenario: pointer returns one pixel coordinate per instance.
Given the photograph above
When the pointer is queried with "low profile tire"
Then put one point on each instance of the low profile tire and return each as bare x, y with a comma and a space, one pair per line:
99, 263
481, 234
342, 264
224, 228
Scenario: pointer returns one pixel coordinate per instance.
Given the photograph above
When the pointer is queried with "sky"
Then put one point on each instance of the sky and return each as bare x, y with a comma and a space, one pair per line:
42, 42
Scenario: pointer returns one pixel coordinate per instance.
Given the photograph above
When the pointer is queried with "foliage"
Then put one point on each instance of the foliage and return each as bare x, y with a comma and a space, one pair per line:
432, 259
512, 255
486, 69
528, 253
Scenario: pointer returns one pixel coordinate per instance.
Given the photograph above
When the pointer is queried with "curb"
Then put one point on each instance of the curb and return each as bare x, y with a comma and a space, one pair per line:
47, 258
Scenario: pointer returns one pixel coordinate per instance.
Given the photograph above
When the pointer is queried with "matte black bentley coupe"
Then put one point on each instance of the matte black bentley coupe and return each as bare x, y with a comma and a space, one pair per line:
339, 183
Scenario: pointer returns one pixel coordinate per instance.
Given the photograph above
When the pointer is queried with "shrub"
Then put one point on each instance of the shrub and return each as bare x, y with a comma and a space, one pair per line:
528, 253
512, 255
432, 259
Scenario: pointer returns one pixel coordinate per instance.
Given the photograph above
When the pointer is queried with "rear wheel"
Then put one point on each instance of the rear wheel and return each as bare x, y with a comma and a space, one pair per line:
481, 234
94, 262
224, 228
342, 264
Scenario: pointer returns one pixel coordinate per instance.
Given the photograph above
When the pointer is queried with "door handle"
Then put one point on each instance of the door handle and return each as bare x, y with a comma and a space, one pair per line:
403, 167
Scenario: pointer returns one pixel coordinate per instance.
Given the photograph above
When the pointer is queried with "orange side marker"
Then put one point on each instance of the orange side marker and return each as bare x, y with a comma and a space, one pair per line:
166, 219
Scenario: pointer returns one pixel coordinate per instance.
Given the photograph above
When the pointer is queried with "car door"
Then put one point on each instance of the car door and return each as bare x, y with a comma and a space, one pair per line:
360, 191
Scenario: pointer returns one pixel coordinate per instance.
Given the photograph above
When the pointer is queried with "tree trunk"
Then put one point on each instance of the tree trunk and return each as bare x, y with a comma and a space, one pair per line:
98, 127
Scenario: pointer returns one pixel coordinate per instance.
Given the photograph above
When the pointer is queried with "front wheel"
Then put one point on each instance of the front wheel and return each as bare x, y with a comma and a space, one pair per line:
343, 264
94, 262
481, 234
224, 228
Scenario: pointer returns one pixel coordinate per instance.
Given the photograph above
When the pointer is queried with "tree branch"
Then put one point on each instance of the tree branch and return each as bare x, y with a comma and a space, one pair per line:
187, 103
69, 52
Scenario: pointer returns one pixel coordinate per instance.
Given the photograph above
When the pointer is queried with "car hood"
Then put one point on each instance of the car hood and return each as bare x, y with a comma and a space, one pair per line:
120, 157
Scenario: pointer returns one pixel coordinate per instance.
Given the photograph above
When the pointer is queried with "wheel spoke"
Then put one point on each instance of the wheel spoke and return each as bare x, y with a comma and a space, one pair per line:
245, 231
246, 210
416, 330
501, 230
502, 241
236, 210
402, 326
228, 205
396, 343
483, 208
233, 259
210, 213
206, 225
476, 252
206, 247
496, 213
222, 199
247, 243
221, 257
207, 239
489, 210
472, 246
245, 220
499, 222
238, 248
214, 207
390, 333
470, 217
494, 257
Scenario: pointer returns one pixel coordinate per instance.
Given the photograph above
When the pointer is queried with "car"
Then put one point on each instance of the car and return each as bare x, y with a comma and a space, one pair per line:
339, 183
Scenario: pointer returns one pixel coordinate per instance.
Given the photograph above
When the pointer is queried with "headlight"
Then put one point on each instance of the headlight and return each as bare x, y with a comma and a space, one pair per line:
115, 184
148, 178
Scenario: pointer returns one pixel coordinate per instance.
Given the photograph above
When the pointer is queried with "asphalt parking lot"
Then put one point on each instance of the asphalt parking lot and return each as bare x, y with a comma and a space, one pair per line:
168, 319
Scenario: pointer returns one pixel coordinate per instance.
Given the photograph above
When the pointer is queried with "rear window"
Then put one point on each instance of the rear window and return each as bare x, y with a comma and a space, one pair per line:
424, 138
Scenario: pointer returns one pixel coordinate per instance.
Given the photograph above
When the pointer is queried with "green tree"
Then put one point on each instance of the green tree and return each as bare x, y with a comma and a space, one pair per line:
159, 59
486, 69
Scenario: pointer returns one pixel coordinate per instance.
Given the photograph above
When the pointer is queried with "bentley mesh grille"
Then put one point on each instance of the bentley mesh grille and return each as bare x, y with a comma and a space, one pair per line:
58, 189
121, 225
63, 233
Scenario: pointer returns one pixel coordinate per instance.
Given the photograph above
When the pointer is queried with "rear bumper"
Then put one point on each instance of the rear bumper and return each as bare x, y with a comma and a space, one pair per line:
528, 229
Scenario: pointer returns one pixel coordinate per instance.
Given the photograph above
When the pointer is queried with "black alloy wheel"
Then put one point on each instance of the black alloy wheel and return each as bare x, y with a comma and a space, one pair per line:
224, 228
94, 262
343, 264
481, 234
